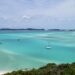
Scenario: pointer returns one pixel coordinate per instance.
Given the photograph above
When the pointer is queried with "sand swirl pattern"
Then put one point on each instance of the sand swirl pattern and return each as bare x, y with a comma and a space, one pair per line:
28, 49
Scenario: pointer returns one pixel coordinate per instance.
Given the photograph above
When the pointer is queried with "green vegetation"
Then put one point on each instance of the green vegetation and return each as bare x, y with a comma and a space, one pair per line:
49, 69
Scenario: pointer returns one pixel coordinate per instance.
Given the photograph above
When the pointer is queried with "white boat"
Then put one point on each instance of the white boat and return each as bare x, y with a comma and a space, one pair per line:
48, 47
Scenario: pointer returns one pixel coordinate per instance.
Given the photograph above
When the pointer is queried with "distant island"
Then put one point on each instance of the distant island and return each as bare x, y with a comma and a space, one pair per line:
34, 29
22, 29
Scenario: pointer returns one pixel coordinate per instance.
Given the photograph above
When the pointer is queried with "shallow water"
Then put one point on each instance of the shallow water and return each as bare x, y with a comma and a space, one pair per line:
28, 49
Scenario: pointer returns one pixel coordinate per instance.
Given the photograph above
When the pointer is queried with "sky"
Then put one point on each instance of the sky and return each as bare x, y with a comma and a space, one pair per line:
46, 14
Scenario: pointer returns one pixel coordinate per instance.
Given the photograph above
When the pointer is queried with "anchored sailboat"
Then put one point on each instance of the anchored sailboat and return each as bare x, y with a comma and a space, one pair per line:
48, 46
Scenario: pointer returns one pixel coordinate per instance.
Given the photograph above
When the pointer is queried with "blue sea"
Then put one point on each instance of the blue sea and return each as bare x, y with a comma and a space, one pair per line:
28, 49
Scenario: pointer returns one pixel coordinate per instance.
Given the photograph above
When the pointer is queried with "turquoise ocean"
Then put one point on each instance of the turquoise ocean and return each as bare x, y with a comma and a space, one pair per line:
28, 49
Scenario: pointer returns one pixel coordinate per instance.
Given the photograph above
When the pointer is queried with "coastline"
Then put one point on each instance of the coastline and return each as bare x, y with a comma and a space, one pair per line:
3, 72
48, 69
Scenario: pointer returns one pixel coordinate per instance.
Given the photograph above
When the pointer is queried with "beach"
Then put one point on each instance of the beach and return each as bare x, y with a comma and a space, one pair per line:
3, 72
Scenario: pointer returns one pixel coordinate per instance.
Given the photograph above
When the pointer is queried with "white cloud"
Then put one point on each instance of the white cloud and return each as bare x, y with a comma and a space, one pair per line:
26, 17
65, 9
34, 13
62, 10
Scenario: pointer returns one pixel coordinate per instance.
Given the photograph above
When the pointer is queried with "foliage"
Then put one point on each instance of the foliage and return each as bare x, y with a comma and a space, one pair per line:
49, 69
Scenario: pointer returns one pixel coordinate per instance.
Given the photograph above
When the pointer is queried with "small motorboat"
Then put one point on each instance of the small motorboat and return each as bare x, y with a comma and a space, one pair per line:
48, 47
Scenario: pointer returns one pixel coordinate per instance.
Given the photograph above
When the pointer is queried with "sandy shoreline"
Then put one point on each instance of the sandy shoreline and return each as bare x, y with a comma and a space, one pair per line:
3, 72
